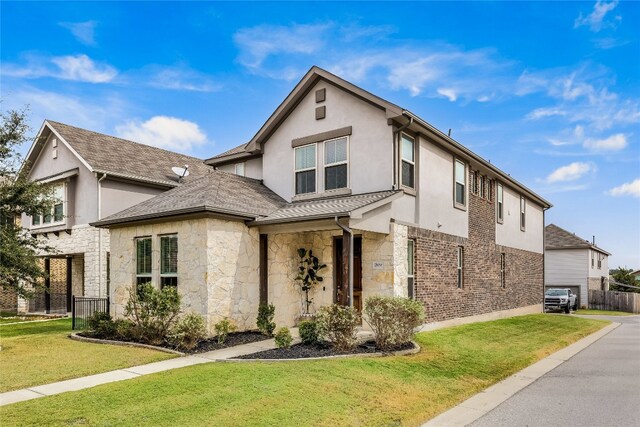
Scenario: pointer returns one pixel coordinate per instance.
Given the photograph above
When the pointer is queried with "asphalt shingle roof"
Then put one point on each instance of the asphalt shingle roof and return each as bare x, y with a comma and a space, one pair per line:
106, 153
559, 238
323, 208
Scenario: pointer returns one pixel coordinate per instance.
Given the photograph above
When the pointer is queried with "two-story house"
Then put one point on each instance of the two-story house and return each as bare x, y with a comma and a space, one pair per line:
94, 176
573, 262
390, 204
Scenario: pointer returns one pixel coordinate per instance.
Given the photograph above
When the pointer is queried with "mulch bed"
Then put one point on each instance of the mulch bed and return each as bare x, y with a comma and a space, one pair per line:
303, 351
233, 339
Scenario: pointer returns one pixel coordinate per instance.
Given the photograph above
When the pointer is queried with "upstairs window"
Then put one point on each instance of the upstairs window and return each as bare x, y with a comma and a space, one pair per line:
408, 161
305, 169
592, 259
500, 203
490, 190
56, 214
239, 169
600, 261
523, 219
143, 260
460, 184
336, 164
168, 261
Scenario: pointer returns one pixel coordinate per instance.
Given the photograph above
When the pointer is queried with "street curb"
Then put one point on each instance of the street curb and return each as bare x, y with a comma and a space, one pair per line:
485, 401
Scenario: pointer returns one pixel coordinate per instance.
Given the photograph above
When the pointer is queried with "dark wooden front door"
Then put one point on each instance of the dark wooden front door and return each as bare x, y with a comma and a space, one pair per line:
341, 257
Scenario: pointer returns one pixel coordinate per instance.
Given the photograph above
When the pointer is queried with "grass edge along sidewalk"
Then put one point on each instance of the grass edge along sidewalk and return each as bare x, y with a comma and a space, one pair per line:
455, 363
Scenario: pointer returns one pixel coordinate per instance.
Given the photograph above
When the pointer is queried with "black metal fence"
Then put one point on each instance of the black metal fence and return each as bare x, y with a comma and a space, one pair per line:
84, 307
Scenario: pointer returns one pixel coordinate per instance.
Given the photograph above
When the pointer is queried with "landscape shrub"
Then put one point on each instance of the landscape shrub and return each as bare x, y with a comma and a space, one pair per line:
337, 324
188, 331
265, 322
308, 332
283, 338
101, 325
392, 319
223, 328
153, 312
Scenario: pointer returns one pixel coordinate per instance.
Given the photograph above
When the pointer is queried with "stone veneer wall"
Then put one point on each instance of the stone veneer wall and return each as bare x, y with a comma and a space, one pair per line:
84, 241
390, 279
218, 273
436, 269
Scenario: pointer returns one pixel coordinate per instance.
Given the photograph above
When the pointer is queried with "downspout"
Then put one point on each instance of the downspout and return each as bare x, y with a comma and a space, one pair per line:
544, 257
350, 264
104, 175
396, 150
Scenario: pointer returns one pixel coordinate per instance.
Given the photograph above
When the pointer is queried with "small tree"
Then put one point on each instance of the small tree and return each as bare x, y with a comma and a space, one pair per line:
153, 312
308, 277
20, 268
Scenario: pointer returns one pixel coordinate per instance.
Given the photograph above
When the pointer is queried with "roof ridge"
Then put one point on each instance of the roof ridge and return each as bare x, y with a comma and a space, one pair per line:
54, 122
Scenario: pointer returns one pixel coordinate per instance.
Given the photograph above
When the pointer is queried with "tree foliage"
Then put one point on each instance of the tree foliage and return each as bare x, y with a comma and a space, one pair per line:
20, 268
623, 276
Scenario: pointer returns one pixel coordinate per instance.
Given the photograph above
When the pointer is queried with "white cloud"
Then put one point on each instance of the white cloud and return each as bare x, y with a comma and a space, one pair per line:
256, 44
543, 112
570, 172
77, 68
84, 32
165, 132
181, 78
628, 189
448, 93
596, 19
615, 142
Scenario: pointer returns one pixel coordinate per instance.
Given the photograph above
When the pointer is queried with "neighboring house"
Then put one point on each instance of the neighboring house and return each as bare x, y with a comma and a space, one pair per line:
390, 204
575, 263
636, 275
94, 176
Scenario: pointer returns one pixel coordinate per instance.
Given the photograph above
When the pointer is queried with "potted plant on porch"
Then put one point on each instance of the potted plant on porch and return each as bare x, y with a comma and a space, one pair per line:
308, 277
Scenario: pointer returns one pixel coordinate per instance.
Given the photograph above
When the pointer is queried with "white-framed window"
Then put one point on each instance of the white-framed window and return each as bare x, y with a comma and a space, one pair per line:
460, 186
500, 203
503, 271
600, 261
593, 256
239, 169
305, 169
57, 213
143, 260
169, 260
523, 212
336, 163
408, 164
460, 267
411, 248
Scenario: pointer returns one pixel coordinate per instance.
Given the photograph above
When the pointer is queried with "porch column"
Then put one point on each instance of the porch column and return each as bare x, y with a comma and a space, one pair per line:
346, 250
47, 285
264, 273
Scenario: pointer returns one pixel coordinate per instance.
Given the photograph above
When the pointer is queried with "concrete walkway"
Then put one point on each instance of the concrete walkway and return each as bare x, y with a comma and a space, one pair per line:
133, 372
477, 406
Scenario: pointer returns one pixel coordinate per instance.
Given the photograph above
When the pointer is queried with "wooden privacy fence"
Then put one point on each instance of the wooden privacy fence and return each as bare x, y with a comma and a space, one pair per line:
613, 300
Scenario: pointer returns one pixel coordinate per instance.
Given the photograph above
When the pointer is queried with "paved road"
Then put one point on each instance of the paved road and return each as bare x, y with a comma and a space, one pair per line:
600, 386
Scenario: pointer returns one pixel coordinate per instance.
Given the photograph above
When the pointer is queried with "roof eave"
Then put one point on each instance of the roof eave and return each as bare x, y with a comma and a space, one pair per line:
168, 214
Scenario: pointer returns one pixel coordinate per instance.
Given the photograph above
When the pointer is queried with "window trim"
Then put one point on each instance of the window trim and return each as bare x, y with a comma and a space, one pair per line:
499, 203
315, 169
138, 275
163, 275
53, 222
411, 272
460, 267
457, 205
325, 165
402, 159
523, 213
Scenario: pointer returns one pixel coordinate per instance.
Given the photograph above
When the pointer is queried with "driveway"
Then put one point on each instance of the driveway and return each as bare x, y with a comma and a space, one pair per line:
597, 387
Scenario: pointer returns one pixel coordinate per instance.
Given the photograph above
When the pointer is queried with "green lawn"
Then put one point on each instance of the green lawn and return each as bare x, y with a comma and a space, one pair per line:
604, 312
454, 364
37, 353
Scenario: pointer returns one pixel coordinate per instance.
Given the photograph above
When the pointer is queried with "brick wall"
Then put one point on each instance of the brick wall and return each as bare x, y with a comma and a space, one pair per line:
8, 300
436, 269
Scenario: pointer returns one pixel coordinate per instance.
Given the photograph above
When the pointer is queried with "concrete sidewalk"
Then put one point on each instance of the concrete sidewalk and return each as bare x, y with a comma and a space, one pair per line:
485, 401
133, 372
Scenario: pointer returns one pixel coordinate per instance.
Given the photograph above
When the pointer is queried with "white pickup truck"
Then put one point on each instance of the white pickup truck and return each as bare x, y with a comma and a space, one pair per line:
560, 299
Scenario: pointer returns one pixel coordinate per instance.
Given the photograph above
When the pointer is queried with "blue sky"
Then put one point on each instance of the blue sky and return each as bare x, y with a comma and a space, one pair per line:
547, 91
